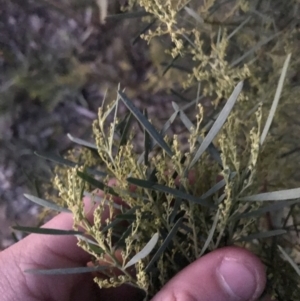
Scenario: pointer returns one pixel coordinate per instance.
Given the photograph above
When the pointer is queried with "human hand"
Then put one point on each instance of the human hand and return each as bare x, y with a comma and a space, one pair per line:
226, 274
229, 274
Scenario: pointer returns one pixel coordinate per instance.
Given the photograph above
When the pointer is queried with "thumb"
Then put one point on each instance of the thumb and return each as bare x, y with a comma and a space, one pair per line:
227, 274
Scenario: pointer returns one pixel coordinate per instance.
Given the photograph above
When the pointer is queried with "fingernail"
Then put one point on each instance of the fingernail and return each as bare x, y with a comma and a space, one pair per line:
237, 279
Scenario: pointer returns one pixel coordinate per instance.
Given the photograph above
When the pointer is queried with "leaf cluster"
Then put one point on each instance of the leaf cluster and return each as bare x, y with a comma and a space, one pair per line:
176, 206
179, 203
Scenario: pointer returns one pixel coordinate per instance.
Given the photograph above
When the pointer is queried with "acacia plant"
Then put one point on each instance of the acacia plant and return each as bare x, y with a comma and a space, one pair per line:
175, 202
176, 205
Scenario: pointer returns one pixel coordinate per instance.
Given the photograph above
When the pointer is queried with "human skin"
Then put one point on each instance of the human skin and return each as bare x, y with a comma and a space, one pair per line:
227, 274
203, 280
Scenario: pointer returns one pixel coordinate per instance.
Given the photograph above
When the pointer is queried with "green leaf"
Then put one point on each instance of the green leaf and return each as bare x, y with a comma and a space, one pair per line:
185, 43
144, 252
281, 195
121, 125
168, 67
125, 234
147, 27
290, 260
185, 120
176, 66
189, 125
46, 204
82, 142
183, 195
96, 183
253, 49
276, 99
259, 212
168, 123
55, 158
164, 245
111, 140
194, 101
59, 160
218, 123
187, 38
214, 189
111, 225
96, 172
176, 207
46, 231
128, 212
261, 235
210, 234
141, 183
217, 187
177, 193
164, 129
33, 181
193, 14
145, 123
180, 96
125, 129
66, 271
128, 215
211, 121
238, 28
221, 198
